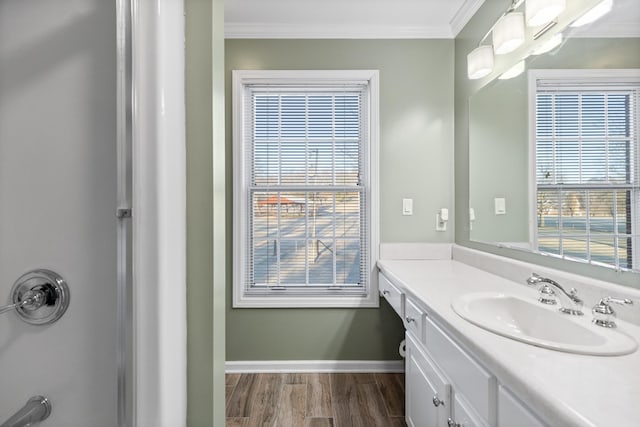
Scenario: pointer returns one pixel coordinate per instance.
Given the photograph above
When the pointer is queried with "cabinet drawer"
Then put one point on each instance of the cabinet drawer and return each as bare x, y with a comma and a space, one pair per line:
414, 319
511, 412
467, 376
392, 294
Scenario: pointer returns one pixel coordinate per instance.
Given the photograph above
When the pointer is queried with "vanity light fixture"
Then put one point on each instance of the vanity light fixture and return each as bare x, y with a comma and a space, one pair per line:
480, 62
514, 71
549, 45
594, 13
541, 12
508, 33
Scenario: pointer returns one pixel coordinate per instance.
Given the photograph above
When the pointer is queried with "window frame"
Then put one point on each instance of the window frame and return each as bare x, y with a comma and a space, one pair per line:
240, 79
576, 77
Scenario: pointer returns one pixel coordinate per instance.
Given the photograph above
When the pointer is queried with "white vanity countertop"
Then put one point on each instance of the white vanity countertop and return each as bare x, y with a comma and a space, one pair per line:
565, 389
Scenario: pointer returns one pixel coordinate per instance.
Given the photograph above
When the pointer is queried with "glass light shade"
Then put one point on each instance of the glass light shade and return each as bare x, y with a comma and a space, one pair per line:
540, 12
514, 71
594, 14
508, 33
480, 62
549, 45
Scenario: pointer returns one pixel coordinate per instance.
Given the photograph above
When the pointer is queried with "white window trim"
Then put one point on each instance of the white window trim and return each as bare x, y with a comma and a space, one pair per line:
241, 78
577, 76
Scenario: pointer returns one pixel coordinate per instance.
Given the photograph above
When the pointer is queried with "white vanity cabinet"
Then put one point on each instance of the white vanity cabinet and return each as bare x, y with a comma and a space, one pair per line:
445, 385
428, 392
463, 415
393, 295
513, 413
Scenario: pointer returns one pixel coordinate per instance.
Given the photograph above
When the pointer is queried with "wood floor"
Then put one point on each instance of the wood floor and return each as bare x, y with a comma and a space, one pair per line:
315, 400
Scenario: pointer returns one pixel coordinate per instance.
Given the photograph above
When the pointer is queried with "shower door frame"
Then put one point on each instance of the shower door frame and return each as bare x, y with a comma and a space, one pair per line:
152, 211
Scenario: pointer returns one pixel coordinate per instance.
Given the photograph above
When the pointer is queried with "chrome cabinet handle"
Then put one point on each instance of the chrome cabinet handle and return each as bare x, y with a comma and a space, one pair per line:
437, 402
451, 423
385, 292
410, 319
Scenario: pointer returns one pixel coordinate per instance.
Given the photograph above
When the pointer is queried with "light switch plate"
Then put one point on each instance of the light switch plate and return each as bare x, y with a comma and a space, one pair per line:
500, 205
407, 206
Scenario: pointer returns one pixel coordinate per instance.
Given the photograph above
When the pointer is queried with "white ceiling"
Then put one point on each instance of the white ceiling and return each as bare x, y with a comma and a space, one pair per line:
385, 19
347, 18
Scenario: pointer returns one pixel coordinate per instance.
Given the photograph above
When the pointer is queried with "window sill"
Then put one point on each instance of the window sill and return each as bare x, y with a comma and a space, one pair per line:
297, 301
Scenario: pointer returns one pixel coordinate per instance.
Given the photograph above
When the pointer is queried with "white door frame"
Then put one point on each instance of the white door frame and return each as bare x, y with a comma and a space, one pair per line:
156, 371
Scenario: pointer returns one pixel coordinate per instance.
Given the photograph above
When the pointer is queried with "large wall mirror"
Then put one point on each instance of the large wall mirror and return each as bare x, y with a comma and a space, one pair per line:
554, 157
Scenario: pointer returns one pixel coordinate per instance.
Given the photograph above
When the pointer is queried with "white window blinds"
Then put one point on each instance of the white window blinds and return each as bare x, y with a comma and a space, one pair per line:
587, 171
306, 148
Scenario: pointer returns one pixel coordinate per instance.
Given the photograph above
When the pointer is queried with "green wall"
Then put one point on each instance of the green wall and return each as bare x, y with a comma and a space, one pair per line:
416, 136
576, 53
498, 149
204, 49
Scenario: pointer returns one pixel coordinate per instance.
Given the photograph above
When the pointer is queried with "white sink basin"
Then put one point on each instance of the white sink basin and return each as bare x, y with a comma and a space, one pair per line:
532, 323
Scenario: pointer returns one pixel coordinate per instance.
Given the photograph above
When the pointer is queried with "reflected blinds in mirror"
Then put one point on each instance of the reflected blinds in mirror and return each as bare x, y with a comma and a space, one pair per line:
587, 172
307, 190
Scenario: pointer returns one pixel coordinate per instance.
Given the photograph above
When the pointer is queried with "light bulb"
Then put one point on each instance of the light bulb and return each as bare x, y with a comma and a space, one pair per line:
508, 33
594, 13
514, 71
480, 62
540, 12
549, 45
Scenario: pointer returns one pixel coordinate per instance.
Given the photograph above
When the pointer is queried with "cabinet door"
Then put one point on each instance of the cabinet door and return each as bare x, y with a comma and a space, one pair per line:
512, 413
463, 416
428, 394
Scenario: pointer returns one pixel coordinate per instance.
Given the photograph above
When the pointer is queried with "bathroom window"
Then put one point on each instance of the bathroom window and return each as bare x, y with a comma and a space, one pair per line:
587, 173
305, 188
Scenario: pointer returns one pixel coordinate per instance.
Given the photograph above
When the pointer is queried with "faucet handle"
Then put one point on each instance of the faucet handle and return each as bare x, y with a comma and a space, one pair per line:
534, 279
547, 295
621, 301
603, 314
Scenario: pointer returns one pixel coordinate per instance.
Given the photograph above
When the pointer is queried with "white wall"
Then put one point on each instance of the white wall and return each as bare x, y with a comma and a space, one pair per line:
57, 203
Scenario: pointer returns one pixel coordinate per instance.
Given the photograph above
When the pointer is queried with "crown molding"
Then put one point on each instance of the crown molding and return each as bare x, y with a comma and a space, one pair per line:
463, 15
350, 31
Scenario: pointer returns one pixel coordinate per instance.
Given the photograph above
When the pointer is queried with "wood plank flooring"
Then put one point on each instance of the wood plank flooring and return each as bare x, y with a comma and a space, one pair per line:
315, 400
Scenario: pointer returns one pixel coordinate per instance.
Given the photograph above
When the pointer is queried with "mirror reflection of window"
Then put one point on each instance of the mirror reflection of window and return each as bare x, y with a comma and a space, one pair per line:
587, 172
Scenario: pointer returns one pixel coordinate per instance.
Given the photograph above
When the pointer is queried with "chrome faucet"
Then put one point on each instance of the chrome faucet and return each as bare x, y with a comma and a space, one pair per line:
37, 409
570, 303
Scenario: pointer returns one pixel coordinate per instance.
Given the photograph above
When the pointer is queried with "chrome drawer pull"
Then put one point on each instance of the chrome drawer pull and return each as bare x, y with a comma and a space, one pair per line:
385, 292
451, 423
410, 319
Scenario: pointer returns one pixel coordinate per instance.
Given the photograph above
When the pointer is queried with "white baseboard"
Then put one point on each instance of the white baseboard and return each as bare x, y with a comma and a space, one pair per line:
302, 366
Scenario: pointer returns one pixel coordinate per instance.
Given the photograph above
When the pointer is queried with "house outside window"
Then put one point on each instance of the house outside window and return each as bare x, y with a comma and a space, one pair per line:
586, 165
305, 188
